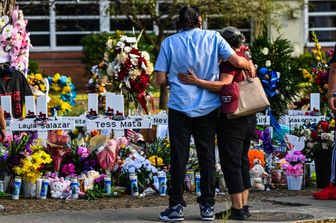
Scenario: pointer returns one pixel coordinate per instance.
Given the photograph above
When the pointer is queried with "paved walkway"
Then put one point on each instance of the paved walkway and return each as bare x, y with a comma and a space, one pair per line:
280, 208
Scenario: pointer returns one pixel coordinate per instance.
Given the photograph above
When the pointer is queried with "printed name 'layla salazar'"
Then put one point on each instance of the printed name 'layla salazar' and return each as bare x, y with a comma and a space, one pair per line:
50, 125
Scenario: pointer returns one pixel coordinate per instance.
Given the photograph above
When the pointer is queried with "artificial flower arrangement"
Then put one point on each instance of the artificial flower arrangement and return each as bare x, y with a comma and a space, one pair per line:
64, 94
319, 136
295, 162
159, 153
127, 70
316, 76
14, 40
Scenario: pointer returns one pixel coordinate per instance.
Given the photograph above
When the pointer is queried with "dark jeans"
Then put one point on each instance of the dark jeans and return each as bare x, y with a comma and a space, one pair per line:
203, 129
234, 138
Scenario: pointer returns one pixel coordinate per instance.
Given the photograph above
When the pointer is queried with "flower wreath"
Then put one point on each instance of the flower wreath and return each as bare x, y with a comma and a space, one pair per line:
63, 102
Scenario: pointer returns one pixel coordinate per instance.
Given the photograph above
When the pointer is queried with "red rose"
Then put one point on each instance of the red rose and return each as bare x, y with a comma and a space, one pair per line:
313, 135
324, 126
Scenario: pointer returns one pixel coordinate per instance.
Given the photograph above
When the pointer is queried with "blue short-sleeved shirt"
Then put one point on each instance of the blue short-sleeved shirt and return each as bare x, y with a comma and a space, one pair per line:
199, 50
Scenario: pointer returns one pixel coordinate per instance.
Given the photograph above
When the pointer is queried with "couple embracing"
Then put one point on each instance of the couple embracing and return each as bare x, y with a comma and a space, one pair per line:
188, 64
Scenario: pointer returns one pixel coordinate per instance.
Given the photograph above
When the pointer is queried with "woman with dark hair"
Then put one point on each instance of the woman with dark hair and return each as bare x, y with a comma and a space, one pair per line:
233, 136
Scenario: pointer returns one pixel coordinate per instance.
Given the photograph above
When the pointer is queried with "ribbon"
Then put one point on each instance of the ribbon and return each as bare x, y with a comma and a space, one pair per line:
269, 79
267, 141
142, 101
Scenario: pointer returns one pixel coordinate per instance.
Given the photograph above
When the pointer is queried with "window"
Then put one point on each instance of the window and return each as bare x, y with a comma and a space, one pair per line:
58, 25
321, 18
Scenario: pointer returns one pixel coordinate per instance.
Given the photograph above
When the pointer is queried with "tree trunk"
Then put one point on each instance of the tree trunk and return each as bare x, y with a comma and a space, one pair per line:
6, 7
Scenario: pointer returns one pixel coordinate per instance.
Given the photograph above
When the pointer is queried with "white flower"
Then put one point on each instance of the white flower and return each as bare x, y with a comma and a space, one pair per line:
110, 70
268, 63
120, 44
106, 56
7, 31
127, 49
324, 136
265, 51
145, 55
3, 21
123, 38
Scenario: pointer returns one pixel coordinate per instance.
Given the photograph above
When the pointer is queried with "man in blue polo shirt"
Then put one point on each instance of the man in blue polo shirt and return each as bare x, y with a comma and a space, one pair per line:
193, 110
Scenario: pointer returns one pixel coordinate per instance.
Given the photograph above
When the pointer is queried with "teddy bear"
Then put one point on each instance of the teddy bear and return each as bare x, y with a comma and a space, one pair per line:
89, 179
256, 175
60, 188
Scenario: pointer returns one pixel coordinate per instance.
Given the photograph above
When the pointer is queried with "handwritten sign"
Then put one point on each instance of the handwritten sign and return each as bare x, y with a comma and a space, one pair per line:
106, 123
263, 120
292, 121
31, 125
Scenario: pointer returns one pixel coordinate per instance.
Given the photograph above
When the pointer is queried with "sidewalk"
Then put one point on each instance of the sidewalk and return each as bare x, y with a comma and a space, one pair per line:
278, 209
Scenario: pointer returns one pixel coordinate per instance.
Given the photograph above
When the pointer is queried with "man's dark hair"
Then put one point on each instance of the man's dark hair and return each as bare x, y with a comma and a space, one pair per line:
189, 17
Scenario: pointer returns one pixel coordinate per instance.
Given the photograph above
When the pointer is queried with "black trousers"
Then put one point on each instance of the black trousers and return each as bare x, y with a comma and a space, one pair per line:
234, 138
203, 129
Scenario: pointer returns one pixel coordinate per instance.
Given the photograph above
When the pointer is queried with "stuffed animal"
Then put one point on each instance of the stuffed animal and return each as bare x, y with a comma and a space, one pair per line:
60, 188
89, 179
256, 174
256, 154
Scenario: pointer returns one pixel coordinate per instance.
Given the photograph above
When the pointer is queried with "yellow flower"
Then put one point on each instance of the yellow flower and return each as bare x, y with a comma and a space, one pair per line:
43, 156
38, 77
18, 170
56, 77
42, 87
332, 123
65, 106
55, 87
66, 89
156, 161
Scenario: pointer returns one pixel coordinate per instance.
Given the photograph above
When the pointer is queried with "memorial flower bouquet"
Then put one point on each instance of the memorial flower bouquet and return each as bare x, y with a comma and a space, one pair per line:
128, 69
14, 41
316, 76
37, 81
295, 161
319, 136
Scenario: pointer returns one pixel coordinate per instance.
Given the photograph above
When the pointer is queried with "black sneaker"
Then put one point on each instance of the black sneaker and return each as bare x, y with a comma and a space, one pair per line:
207, 213
247, 210
237, 214
174, 213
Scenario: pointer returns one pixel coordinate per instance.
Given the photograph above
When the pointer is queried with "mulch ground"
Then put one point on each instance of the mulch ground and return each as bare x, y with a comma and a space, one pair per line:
22, 206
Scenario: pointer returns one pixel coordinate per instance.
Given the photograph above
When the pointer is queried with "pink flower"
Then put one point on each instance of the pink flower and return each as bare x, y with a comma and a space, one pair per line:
68, 169
83, 152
